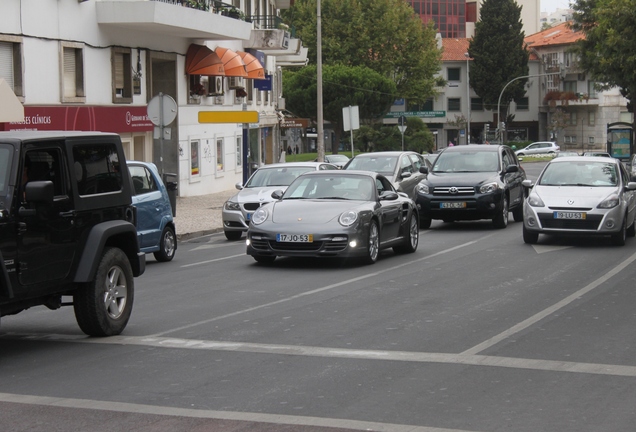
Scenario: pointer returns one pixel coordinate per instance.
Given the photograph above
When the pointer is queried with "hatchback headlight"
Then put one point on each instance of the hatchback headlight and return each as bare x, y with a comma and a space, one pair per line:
231, 205
535, 201
348, 218
610, 202
260, 216
422, 188
489, 188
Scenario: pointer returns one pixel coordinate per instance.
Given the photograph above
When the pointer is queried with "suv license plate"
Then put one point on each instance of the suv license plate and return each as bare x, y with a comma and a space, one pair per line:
452, 205
569, 215
295, 238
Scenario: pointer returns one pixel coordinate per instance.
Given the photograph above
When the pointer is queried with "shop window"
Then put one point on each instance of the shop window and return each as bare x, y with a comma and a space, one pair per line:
220, 155
195, 159
11, 62
72, 72
454, 104
453, 74
122, 75
239, 151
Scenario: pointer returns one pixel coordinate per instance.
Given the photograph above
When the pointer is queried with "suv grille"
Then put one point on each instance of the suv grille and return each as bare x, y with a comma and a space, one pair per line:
454, 190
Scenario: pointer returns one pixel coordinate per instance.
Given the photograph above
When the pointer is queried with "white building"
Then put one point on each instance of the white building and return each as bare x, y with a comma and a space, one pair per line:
96, 64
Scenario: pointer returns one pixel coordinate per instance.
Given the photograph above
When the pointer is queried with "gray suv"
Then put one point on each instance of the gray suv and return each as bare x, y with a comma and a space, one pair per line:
540, 147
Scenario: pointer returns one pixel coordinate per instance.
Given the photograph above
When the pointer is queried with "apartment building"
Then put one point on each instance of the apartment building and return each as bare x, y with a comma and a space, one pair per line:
96, 65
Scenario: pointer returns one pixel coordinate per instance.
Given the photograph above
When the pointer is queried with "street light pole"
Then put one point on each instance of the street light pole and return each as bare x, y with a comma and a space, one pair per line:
320, 136
501, 94
468, 96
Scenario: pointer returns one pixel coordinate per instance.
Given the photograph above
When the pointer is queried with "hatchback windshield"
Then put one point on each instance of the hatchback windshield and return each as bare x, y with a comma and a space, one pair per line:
332, 187
279, 176
577, 173
467, 162
380, 164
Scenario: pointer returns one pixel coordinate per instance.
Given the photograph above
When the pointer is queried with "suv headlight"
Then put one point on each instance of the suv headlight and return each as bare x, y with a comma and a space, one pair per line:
260, 216
535, 201
231, 205
610, 202
422, 188
348, 218
489, 188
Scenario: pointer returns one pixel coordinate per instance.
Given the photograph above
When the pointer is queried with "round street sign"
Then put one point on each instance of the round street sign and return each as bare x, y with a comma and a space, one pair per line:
162, 110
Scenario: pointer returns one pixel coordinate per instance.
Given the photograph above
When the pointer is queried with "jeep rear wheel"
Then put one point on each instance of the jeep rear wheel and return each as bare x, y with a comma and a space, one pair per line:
103, 306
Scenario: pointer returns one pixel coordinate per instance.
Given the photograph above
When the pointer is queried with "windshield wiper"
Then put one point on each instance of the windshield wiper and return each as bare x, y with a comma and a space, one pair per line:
333, 197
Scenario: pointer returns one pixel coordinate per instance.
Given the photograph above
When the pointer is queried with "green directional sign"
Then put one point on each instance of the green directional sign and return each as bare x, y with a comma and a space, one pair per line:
421, 114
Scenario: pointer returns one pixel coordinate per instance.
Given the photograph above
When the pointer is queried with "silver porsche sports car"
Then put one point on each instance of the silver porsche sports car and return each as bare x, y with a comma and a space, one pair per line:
334, 213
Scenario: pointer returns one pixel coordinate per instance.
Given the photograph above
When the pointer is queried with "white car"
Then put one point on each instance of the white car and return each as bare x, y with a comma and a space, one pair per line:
581, 196
238, 210
540, 147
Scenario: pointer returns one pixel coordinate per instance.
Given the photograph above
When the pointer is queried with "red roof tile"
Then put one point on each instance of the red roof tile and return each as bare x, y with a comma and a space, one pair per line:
454, 49
560, 34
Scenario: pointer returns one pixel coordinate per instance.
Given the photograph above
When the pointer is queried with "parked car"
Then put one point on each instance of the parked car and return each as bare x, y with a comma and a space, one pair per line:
566, 154
540, 147
339, 160
581, 196
325, 214
238, 210
401, 168
597, 153
472, 182
156, 231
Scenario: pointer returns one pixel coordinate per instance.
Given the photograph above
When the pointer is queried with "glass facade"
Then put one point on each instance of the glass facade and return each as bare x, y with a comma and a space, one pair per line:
449, 15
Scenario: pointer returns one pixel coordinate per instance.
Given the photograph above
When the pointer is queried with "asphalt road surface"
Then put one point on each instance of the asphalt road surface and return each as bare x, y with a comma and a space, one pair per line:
476, 331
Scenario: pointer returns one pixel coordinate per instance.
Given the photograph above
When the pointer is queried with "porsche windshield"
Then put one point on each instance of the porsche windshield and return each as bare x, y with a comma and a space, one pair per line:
280, 176
580, 173
480, 161
332, 187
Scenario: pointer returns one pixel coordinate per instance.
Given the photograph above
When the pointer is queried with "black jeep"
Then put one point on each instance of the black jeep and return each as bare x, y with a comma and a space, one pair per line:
67, 227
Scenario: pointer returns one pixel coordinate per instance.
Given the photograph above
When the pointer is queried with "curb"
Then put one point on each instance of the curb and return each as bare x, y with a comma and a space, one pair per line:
195, 234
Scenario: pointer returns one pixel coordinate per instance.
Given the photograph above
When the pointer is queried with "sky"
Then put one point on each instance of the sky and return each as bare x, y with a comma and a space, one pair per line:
553, 5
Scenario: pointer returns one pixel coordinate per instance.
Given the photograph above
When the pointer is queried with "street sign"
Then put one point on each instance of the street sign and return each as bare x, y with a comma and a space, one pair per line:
162, 110
402, 120
350, 118
228, 116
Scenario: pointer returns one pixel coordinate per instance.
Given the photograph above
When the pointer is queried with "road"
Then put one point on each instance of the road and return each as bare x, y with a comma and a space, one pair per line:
476, 331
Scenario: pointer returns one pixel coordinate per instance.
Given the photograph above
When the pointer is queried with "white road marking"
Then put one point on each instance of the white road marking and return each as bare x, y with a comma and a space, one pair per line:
211, 414
547, 248
213, 260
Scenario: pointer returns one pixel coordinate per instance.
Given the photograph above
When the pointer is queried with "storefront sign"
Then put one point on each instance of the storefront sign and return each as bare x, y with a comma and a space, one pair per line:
83, 118
294, 123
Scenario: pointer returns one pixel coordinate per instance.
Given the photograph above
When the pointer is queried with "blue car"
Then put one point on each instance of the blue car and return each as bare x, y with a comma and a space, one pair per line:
155, 226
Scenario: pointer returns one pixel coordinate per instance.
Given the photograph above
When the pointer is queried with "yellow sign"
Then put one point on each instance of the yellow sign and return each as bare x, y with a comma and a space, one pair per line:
228, 116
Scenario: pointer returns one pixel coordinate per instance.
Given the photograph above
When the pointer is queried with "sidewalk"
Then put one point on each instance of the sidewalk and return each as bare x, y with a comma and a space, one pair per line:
200, 215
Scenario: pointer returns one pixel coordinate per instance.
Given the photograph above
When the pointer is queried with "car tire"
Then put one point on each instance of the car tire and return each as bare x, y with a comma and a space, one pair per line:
411, 238
520, 154
530, 237
103, 306
264, 259
425, 223
517, 213
373, 243
500, 221
233, 235
167, 245
631, 230
620, 237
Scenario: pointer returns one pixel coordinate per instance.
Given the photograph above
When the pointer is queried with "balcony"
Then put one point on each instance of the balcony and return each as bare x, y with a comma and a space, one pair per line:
188, 19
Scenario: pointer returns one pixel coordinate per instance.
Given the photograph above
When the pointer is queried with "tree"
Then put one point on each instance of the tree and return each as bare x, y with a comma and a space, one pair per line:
608, 51
342, 86
498, 54
383, 35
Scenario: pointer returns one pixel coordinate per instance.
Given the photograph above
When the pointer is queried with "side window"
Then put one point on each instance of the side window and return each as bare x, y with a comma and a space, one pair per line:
143, 181
45, 165
506, 159
97, 169
406, 166
417, 161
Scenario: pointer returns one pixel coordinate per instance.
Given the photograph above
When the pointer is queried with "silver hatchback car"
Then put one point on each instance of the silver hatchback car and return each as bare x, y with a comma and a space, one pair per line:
540, 147
581, 196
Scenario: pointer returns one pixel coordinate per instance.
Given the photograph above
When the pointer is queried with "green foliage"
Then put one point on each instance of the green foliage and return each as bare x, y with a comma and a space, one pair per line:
608, 51
417, 137
383, 35
498, 53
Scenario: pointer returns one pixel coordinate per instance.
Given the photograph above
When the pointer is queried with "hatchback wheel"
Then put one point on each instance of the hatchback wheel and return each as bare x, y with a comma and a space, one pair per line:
530, 237
620, 237
167, 245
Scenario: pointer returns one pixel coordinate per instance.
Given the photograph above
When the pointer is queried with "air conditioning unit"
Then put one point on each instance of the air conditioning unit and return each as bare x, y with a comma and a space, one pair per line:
215, 86
236, 83
273, 39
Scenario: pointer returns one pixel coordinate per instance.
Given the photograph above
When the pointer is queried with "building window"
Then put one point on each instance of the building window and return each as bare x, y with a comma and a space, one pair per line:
552, 82
476, 104
454, 104
591, 118
591, 89
239, 151
122, 75
72, 72
523, 104
454, 74
220, 164
569, 86
573, 118
591, 140
11, 62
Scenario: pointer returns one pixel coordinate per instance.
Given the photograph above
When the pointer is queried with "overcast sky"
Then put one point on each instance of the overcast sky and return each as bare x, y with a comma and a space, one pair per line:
552, 5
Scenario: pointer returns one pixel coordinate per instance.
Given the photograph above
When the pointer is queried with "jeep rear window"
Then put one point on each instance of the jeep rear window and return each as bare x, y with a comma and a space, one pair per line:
5, 168
97, 169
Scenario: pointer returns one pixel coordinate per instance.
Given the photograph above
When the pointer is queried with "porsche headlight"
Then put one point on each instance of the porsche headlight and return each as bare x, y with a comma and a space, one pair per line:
348, 218
489, 188
231, 205
610, 202
422, 188
260, 216
535, 201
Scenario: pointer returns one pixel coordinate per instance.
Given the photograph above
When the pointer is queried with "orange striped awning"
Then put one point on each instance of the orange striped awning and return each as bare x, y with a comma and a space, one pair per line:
233, 64
253, 67
201, 60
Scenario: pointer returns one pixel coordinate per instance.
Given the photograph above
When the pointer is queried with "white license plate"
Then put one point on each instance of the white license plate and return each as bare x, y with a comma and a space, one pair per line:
452, 205
569, 215
295, 238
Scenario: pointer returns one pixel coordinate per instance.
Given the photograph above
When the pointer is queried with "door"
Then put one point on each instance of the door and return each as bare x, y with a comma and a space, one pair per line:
390, 211
46, 232
150, 203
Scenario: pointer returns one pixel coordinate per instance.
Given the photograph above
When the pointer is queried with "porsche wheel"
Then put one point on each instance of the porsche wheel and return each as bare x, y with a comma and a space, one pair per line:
411, 238
373, 243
